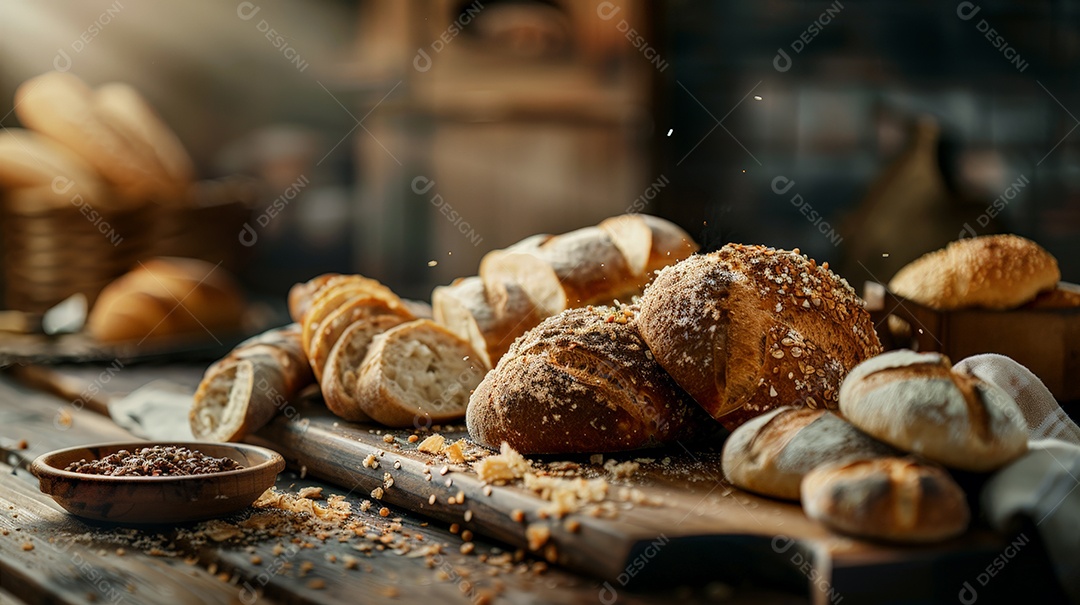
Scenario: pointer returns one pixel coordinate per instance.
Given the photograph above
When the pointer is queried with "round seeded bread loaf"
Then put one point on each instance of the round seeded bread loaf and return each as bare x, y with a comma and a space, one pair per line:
582, 381
918, 403
748, 329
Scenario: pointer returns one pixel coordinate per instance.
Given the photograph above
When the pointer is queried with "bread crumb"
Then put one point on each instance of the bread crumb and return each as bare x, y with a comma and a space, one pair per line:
365, 505
431, 499
454, 453
377, 493
256, 560
622, 470
414, 438
388, 438
315, 493
517, 515
316, 584
432, 445
506, 466
371, 461
27, 546
388, 481
537, 534
572, 525
384, 512
467, 548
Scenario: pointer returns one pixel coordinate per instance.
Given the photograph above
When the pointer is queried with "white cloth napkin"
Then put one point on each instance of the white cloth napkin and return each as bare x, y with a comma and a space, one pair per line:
1043, 485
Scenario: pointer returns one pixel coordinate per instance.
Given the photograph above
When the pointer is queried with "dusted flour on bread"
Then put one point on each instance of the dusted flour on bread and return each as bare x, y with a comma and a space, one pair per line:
747, 329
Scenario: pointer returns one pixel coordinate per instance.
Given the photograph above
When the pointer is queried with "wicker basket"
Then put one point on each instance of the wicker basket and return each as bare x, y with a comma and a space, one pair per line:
52, 251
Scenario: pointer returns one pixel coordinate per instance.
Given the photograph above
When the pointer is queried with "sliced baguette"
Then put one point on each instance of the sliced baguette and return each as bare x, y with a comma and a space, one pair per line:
417, 374
356, 309
465, 309
343, 362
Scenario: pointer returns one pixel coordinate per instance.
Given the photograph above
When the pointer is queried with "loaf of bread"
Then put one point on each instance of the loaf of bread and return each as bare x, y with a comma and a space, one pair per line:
243, 391
772, 453
414, 375
991, 272
581, 381
748, 329
543, 275
125, 109
28, 159
896, 499
61, 106
166, 297
919, 404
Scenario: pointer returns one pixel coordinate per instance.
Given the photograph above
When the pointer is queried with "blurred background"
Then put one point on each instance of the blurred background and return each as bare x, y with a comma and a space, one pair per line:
404, 139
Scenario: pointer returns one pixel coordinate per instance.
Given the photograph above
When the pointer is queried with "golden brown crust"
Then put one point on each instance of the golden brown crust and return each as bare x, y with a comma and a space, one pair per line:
772, 453
582, 381
918, 403
896, 499
747, 329
992, 272
301, 295
243, 391
28, 159
356, 309
465, 308
167, 296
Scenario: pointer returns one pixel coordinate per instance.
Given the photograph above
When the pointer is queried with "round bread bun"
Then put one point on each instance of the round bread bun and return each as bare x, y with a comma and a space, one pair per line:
582, 381
992, 272
918, 403
772, 453
748, 329
895, 499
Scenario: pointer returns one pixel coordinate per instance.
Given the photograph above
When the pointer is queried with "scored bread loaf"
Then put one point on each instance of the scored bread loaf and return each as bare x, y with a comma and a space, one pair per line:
543, 275
749, 328
992, 271
417, 374
241, 392
896, 499
918, 403
772, 453
167, 296
581, 381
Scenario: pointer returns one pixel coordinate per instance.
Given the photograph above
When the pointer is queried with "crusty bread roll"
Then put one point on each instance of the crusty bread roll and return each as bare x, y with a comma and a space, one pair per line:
772, 453
167, 296
919, 404
243, 391
896, 499
417, 374
748, 329
582, 381
992, 271
123, 108
465, 308
61, 106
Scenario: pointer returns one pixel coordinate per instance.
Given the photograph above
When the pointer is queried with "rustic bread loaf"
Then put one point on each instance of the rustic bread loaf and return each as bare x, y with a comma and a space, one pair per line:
28, 159
465, 309
417, 374
918, 403
896, 499
243, 391
164, 297
749, 328
772, 453
581, 381
992, 271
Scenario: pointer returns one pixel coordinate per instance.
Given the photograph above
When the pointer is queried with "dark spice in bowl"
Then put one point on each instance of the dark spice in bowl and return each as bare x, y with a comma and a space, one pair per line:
155, 461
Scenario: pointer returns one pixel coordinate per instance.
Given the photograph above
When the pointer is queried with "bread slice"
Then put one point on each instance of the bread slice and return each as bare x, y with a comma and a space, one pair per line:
417, 374
648, 243
337, 292
343, 362
302, 295
358, 308
465, 308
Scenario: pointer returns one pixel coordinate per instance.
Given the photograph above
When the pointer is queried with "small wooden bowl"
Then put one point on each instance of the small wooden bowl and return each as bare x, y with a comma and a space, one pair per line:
157, 499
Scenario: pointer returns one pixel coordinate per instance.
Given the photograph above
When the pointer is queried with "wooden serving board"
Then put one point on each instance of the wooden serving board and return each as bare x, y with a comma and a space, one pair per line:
703, 530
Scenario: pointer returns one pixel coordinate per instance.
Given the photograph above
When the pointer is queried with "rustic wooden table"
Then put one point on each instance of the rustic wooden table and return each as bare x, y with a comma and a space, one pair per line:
49, 556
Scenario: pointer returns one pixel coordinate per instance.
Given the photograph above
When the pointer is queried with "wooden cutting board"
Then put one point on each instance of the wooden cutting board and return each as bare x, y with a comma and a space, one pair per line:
703, 530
